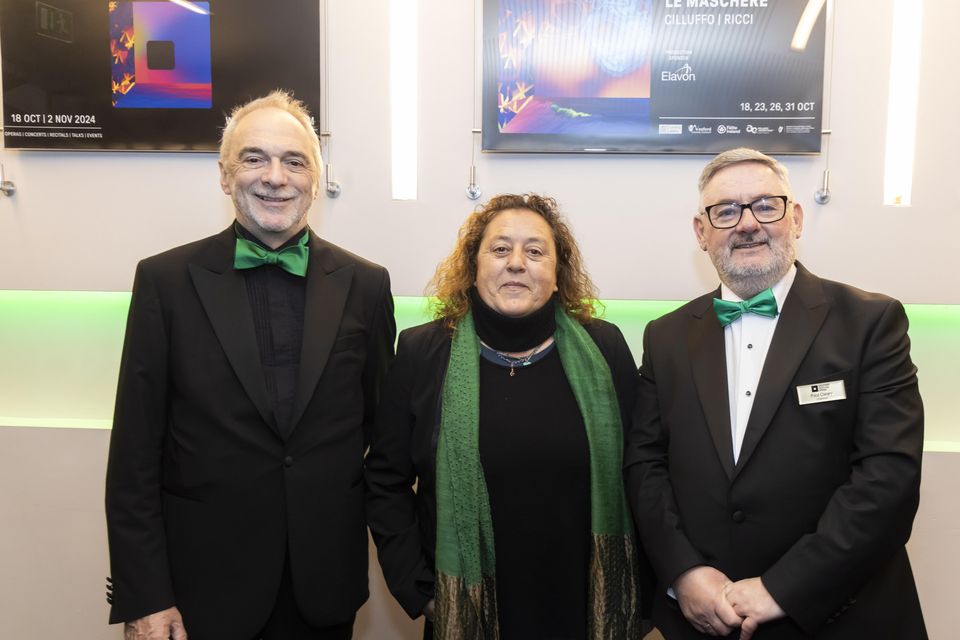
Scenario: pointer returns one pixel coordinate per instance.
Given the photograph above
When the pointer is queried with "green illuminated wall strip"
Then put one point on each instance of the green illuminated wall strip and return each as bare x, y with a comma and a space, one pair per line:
60, 351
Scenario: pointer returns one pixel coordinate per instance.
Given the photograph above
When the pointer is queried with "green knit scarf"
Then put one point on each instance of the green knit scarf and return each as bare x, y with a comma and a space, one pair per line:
466, 601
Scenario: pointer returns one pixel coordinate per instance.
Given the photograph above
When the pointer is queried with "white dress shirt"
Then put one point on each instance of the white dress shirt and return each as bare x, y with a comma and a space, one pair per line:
747, 340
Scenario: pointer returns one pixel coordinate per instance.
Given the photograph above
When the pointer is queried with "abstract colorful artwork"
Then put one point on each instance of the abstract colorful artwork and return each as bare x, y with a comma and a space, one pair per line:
572, 66
160, 55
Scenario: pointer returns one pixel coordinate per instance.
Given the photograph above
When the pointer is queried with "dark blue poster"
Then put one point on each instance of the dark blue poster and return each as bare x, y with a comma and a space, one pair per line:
652, 76
148, 74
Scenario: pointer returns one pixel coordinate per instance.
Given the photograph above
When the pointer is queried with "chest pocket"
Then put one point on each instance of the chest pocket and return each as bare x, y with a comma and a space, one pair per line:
349, 341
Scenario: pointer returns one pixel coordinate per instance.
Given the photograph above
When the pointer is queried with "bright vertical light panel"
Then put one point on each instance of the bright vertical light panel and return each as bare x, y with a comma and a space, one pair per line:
902, 101
805, 25
403, 98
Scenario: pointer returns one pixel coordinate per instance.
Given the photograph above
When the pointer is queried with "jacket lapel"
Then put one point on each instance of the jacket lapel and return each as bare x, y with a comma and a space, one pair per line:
803, 314
223, 293
328, 284
708, 358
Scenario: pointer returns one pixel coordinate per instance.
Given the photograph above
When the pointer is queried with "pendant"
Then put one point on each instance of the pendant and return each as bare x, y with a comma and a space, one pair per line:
512, 372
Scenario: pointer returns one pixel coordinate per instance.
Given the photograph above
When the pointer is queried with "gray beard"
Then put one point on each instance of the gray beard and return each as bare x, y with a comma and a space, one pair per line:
748, 281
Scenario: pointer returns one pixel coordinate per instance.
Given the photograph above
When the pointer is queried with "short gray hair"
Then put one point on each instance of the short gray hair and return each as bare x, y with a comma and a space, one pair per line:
277, 99
738, 156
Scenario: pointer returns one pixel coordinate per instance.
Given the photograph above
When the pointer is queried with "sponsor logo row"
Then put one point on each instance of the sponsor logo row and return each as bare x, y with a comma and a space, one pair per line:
728, 129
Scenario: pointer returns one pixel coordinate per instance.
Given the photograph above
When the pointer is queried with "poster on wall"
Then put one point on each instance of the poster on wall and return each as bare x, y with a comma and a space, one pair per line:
651, 76
148, 74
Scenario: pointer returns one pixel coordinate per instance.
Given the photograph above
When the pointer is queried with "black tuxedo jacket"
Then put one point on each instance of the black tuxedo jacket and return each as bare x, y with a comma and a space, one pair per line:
822, 498
204, 497
403, 453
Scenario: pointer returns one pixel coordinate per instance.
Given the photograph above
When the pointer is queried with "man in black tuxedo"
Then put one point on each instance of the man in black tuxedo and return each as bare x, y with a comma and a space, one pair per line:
774, 461
248, 382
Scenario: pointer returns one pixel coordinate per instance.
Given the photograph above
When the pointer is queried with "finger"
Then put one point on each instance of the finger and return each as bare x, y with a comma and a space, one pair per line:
727, 615
748, 628
739, 607
718, 627
726, 612
178, 631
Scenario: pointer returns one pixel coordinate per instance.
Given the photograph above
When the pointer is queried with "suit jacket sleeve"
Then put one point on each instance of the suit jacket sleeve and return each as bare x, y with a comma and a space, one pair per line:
138, 551
649, 490
869, 517
383, 333
391, 476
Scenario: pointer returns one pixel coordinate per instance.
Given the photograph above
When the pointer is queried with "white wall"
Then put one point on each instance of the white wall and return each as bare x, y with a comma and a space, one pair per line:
100, 212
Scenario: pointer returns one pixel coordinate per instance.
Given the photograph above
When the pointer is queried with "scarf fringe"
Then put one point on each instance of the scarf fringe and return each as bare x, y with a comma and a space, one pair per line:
614, 589
465, 612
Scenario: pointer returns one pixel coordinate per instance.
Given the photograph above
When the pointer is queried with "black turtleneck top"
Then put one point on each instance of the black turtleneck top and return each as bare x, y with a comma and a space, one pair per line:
535, 458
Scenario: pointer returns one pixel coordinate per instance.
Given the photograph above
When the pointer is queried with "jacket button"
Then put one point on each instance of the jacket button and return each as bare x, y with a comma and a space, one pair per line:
738, 516
288, 461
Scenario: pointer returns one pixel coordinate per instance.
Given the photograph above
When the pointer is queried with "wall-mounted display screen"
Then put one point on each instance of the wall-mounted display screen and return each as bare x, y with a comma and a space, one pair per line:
650, 76
148, 74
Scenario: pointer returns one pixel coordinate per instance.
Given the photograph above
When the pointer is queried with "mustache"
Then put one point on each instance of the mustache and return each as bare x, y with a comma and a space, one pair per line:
749, 238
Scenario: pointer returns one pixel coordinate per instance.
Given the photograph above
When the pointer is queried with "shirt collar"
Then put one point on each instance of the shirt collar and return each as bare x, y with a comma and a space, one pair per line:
780, 289
242, 231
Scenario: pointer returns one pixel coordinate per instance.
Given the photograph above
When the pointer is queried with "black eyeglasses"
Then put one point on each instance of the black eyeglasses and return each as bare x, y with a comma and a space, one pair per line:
766, 209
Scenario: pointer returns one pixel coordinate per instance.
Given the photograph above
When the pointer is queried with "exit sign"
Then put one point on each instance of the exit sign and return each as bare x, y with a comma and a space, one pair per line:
53, 22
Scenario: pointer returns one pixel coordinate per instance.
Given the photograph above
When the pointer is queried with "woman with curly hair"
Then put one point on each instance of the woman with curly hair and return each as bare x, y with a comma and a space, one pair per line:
494, 491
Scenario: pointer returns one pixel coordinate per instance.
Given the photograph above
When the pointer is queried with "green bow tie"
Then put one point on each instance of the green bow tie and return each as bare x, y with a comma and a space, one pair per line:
292, 259
763, 304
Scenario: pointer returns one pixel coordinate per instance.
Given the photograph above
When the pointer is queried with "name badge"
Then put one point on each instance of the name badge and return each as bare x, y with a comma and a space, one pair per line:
821, 392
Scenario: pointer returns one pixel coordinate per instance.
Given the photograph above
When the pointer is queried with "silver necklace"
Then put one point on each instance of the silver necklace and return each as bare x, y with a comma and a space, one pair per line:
522, 361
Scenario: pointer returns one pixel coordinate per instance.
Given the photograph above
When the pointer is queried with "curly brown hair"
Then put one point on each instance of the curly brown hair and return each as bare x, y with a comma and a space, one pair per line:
457, 273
